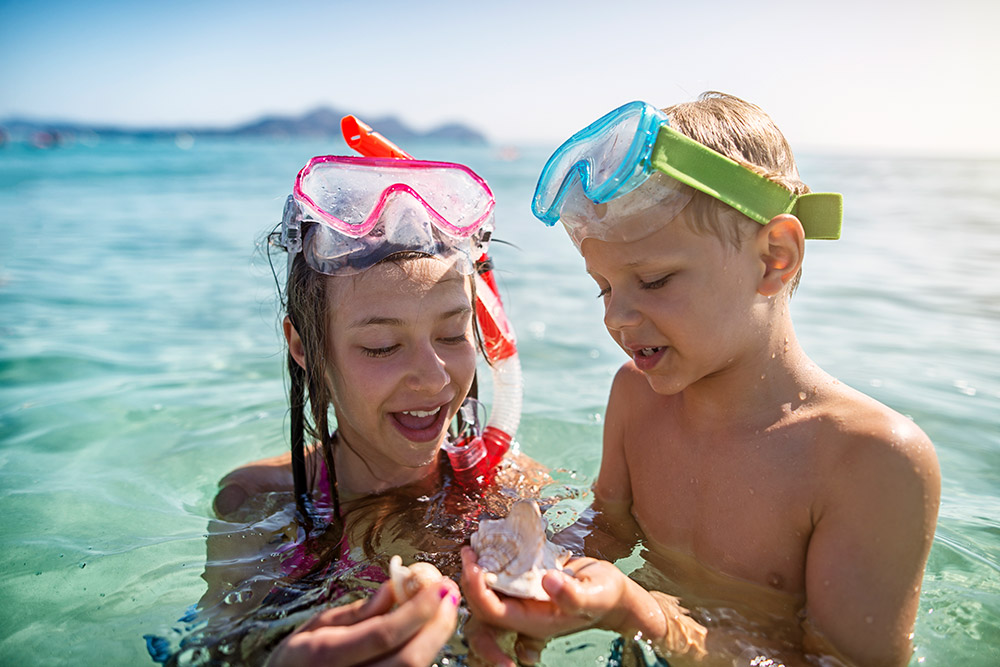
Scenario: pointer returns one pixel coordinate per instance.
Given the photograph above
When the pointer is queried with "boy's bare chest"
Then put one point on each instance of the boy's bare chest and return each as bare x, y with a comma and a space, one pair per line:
744, 511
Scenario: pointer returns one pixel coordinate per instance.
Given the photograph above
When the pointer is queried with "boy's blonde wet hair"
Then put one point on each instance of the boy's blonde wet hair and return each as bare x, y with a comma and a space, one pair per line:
744, 133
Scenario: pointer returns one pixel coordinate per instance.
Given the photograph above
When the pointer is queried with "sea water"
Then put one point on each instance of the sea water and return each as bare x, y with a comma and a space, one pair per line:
140, 361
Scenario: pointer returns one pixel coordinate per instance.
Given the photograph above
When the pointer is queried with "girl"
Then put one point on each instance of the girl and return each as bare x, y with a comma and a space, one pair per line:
379, 325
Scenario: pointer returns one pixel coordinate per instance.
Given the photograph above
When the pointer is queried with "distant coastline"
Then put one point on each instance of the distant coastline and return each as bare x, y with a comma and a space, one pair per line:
320, 122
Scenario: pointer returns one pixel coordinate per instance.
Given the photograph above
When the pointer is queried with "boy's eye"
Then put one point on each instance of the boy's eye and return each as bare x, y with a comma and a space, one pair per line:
455, 340
376, 352
655, 283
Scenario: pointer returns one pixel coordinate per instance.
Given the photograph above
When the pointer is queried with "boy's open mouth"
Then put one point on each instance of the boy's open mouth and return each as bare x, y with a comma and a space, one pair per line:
420, 425
646, 358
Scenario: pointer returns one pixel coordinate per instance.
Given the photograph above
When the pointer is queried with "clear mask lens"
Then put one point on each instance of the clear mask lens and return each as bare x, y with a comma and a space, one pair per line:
352, 194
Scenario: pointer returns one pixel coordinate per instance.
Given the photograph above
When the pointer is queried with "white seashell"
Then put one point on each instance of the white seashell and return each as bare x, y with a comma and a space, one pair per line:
515, 554
408, 580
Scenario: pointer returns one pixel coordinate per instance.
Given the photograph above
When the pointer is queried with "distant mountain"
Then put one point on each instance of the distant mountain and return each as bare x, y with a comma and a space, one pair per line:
321, 122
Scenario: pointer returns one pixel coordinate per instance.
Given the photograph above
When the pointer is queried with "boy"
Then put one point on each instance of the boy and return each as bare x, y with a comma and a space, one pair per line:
722, 440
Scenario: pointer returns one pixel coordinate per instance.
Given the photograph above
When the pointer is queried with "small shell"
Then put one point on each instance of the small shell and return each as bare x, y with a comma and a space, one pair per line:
515, 553
408, 580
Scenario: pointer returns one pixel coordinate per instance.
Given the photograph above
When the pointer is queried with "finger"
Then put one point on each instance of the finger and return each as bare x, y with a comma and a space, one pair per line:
335, 616
380, 603
377, 637
537, 618
484, 644
480, 597
529, 649
565, 591
431, 638
352, 613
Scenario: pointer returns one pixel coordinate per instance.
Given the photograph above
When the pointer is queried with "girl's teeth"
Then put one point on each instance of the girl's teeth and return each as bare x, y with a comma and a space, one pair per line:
648, 351
421, 413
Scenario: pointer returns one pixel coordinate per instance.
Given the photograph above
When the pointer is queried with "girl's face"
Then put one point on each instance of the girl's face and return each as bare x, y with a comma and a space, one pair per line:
401, 360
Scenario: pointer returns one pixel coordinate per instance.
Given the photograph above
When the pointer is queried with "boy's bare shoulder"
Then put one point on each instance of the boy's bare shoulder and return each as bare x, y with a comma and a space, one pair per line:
865, 427
630, 385
869, 444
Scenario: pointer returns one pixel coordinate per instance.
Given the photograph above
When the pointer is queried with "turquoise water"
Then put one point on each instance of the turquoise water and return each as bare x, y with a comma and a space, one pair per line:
139, 362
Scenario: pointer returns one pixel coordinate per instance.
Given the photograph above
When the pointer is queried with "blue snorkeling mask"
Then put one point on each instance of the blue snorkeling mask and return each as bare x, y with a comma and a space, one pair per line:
633, 145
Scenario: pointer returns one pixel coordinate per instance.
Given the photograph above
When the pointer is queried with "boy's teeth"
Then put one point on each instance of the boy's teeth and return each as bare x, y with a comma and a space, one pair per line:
648, 351
422, 413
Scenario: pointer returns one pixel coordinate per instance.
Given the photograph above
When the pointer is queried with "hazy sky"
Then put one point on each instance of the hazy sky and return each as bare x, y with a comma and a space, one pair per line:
849, 75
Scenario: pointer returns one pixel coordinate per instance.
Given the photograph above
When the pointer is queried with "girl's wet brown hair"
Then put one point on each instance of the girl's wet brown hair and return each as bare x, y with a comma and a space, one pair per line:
306, 302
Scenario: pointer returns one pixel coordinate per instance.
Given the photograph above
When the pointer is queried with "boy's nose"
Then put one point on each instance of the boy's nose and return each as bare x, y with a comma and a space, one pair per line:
620, 313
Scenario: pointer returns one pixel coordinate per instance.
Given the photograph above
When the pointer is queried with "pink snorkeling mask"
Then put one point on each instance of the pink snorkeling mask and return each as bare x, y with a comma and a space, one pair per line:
367, 208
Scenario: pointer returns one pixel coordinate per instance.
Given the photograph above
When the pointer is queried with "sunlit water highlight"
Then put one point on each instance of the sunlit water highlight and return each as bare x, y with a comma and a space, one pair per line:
139, 362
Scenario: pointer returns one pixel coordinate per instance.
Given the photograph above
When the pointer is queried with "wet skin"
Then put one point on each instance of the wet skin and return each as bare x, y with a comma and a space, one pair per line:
727, 444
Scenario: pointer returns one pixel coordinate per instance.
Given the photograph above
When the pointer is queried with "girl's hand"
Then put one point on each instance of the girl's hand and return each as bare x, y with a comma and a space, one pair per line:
591, 597
370, 631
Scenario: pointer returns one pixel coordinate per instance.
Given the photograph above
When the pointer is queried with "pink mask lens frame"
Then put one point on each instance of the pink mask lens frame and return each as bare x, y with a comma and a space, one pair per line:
372, 218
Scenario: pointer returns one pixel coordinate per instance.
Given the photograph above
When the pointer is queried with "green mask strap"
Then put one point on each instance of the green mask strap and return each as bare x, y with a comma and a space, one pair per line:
698, 166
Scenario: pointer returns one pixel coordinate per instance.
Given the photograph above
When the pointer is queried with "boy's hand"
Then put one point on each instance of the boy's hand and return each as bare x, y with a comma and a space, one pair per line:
370, 630
590, 597
493, 647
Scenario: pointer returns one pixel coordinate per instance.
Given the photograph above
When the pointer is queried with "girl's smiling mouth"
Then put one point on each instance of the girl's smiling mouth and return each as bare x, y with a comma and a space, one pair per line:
421, 425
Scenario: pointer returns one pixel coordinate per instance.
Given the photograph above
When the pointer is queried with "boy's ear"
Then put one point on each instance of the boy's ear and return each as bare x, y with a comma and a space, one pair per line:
781, 244
294, 342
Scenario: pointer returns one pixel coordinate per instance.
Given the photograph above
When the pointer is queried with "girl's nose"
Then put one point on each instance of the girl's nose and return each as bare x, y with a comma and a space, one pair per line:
428, 373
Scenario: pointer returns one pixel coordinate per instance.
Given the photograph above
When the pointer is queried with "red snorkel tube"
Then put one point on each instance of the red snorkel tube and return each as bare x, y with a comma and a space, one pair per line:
473, 457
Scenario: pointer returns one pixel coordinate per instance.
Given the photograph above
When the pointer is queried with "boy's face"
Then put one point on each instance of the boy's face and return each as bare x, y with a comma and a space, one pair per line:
681, 304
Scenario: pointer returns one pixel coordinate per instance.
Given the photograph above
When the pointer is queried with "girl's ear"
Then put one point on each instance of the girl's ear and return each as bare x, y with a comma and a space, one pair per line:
781, 247
294, 342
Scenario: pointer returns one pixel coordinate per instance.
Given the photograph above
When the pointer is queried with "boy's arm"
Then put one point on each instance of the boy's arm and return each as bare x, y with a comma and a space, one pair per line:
614, 530
613, 490
873, 531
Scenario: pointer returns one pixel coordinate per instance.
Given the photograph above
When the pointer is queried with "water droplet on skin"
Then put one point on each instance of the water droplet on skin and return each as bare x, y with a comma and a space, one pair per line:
237, 597
774, 354
752, 492
803, 396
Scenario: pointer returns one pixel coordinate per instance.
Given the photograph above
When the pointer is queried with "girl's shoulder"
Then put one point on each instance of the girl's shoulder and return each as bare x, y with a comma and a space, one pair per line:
257, 478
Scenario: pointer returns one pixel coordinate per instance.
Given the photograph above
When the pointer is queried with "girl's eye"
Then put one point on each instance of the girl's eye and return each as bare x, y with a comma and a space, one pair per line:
604, 292
455, 340
376, 352
655, 284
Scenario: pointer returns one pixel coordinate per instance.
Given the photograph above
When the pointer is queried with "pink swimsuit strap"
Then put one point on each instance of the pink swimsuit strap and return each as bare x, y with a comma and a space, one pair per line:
300, 560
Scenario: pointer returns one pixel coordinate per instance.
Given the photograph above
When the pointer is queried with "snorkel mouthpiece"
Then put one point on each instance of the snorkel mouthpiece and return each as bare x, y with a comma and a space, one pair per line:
366, 141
